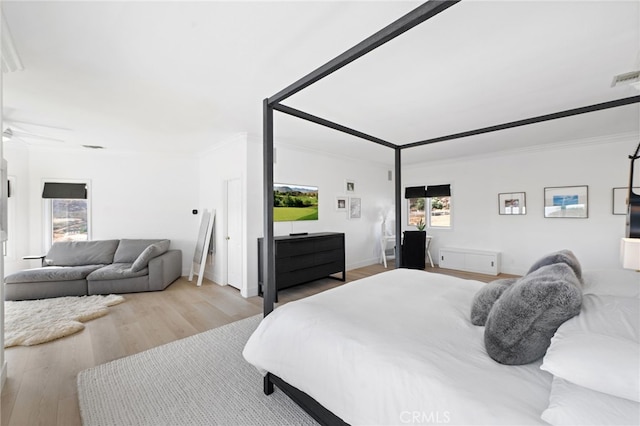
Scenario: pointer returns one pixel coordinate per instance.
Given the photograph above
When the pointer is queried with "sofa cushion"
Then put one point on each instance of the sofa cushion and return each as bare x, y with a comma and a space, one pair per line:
76, 253
154, 250
115, 271
51, 273
129, 250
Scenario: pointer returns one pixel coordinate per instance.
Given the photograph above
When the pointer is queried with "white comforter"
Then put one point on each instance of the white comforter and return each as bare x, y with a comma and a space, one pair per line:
397, 348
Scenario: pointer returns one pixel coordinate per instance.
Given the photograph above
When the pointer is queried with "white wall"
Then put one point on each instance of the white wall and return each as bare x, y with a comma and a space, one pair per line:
329, 173
241, 158
151, 196
476, 182
17, 157
3, 365
225, 161
254, 225
132, 196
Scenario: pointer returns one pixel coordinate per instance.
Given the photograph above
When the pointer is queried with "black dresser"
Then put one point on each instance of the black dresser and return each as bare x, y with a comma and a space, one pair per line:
304, 258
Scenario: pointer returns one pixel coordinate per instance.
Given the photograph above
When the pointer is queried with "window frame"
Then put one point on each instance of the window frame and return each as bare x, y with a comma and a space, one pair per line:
48, 210
427, 212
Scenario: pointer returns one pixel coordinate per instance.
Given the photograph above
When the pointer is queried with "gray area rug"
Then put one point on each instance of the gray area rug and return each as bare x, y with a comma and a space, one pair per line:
199, 380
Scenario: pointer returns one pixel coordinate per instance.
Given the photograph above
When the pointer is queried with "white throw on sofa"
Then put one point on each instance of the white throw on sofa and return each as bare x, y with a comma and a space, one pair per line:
78, 268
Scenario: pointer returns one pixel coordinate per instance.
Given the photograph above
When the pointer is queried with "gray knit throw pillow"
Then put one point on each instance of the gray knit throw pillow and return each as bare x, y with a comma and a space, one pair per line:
523, 320
485, 298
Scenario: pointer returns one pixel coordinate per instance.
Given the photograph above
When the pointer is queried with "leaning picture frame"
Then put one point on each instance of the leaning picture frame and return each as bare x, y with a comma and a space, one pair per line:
512, 203
566, 202
619, 197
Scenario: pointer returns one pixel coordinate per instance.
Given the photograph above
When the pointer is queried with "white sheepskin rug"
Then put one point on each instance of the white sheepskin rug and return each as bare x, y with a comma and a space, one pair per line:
31, 322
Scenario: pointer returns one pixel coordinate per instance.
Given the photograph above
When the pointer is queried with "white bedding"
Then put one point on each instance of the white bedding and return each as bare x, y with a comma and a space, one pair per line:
397, 348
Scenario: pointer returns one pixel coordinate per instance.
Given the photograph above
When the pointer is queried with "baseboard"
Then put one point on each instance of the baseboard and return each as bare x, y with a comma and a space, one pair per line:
363, 263
211, 276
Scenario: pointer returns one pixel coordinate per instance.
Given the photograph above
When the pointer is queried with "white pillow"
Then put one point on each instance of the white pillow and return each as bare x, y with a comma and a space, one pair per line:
571, 404
612, 282
599, 349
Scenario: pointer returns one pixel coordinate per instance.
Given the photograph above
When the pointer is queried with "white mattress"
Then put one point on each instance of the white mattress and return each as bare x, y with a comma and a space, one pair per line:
397, 348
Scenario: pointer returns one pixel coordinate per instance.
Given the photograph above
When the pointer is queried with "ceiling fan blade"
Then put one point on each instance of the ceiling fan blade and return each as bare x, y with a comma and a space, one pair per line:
29, 135
24, 125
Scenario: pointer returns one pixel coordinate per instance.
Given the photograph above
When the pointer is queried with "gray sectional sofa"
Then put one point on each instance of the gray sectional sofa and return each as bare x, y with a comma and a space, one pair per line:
78, 268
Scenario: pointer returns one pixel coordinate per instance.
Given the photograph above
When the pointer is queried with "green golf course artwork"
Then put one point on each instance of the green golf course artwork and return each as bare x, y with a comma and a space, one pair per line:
294, 202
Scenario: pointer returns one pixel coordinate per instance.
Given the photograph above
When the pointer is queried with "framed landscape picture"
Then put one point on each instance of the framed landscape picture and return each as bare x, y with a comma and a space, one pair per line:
512, 203
294, 202
566, 202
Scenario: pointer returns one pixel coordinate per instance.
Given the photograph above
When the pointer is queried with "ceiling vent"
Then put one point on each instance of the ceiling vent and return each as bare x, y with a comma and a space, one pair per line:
10, 59
630, 78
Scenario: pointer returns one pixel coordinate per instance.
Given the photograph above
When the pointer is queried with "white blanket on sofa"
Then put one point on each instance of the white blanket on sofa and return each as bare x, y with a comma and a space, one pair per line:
397, 348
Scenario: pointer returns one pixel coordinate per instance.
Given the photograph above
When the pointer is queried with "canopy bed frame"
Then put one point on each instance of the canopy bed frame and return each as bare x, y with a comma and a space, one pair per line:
274, 103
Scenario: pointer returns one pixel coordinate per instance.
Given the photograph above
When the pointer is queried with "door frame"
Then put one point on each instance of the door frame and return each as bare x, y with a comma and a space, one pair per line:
225, 270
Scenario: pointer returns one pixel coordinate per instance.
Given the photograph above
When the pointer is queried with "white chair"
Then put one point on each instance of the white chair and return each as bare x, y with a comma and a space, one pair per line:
387, 242
427, 249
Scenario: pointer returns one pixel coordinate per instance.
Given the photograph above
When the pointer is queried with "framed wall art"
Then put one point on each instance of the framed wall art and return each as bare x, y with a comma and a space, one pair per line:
341, 204
566, 202
620, 201
355, 208
512, 203
350, 186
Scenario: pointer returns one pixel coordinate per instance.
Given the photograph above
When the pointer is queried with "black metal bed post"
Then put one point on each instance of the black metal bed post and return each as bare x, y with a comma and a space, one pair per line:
398, 200
330, 124
391, 31
268, 255
632, 229
539, 119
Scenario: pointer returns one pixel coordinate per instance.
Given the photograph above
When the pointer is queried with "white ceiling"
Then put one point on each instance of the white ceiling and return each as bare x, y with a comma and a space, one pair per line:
182, 76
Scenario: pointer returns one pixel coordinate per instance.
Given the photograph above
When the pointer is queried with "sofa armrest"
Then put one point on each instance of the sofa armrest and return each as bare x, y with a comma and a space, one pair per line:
36, 257
165, 269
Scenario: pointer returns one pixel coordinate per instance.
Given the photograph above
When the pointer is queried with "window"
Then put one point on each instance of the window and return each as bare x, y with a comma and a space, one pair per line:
434, 210
439, 212
416, 211
69, 220
66, 212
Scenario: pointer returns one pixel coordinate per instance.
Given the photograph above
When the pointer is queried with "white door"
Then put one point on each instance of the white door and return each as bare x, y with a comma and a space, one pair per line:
234, 233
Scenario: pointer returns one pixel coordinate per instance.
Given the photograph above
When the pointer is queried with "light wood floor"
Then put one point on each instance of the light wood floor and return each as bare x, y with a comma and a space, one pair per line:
41, 382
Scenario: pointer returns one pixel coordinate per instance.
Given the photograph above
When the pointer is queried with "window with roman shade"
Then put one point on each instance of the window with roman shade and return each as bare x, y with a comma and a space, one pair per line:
67, 216
430, 205
439, 203
63, 190
438, 191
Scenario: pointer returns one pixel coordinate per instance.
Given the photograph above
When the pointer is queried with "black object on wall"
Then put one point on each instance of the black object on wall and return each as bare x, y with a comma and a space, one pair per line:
633, 212
415, 192
413, 249
439, 190
65, 190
